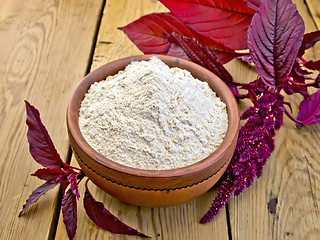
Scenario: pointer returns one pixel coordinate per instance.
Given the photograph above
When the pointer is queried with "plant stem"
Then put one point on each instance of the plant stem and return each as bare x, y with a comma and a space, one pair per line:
301, 84
291, 117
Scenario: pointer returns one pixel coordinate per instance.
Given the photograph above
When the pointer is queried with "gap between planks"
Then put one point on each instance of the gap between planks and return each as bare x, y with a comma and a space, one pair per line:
57, 210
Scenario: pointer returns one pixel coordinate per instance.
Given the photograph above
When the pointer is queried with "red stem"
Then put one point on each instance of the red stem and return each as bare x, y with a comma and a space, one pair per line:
66, 164
291, 117
301, 84
303, 59
241, 96
244, 84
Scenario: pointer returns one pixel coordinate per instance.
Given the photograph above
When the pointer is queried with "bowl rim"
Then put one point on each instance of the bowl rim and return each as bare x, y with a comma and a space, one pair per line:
117, 65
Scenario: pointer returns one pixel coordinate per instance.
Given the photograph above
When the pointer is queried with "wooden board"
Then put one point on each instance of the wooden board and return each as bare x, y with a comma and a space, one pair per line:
314, 9
179, 222
45, 48
284, 202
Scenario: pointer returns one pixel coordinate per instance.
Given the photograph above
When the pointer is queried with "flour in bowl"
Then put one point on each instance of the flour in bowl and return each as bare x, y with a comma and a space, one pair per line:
151, 116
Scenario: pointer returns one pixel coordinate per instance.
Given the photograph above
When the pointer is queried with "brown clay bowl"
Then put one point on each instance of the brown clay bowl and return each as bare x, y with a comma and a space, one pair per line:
152, 188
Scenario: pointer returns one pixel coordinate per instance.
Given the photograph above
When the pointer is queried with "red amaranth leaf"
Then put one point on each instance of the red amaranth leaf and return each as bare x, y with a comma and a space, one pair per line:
104, 219
40, 144
176, 51
309, 112
48, 174
205, 57
72, 178
150, 34
37, 193
224, 21
314, 65
69, 212
309, 40
253, 4
274, 38
201, 55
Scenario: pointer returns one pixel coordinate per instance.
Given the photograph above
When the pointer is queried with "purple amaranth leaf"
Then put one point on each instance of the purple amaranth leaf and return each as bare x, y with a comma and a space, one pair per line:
205, 57
253, 4
309, 110
246, 58
317, 80
48, 174
69, 212
299, 77
104, 219
309, 40
301, 68
254, 147
73, 178
201, 55
274, 38
40, 144
37, 193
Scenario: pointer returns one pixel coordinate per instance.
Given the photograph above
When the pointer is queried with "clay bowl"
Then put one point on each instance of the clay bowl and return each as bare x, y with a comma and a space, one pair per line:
152, 188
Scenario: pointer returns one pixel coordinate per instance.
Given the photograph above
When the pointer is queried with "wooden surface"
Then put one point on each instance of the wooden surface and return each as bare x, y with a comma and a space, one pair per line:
46, 48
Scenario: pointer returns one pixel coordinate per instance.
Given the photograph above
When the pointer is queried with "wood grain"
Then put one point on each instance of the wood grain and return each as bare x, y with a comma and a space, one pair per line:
113, 43
284, 202
45, 47
179, 222
314, 8
39, 42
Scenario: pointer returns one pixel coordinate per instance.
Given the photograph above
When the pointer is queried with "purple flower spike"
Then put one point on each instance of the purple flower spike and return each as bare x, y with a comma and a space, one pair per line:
254, 147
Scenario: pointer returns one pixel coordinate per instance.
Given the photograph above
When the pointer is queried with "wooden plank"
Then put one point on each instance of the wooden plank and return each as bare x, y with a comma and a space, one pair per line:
290, 180
314, 8
45, 48
112, 43
179, 222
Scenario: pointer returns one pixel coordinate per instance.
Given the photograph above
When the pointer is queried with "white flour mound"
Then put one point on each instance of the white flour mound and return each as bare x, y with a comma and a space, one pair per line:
150, 116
